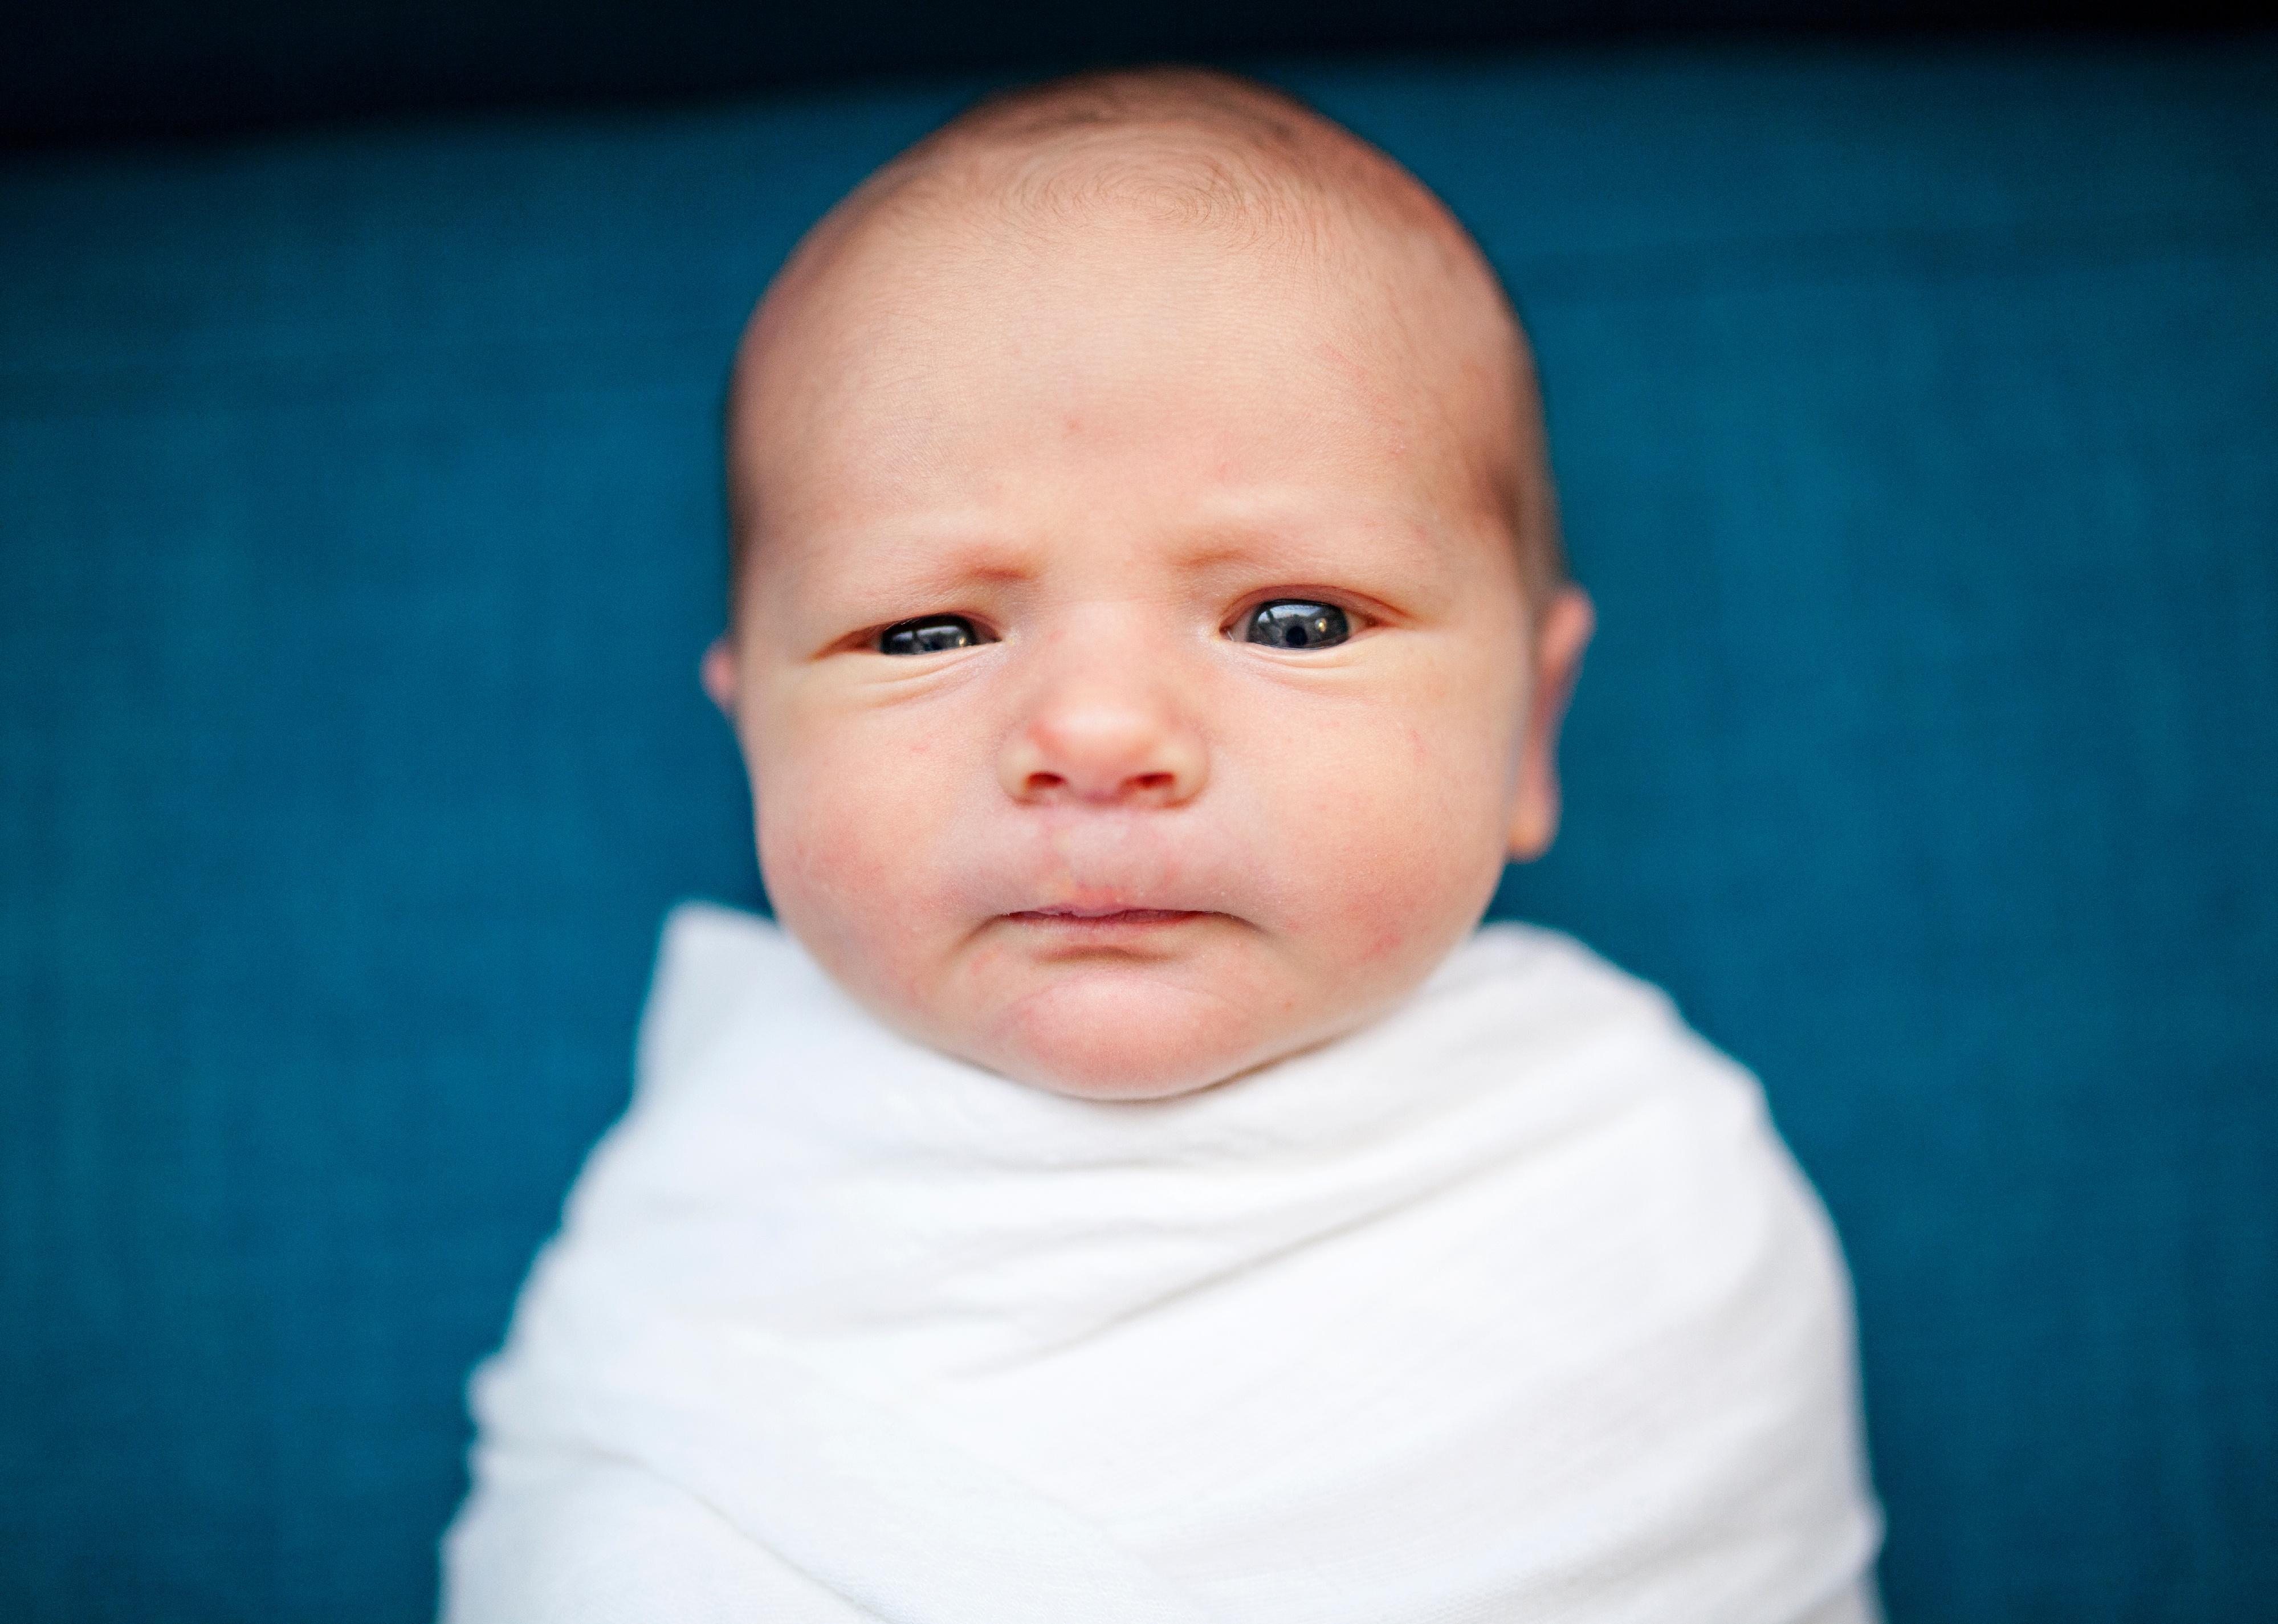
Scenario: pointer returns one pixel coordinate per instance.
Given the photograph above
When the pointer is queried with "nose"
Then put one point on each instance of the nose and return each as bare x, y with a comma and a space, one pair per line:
1096, 733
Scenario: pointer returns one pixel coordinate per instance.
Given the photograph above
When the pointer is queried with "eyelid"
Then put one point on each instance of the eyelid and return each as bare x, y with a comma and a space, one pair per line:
1365, 613
1362, 611
867, 641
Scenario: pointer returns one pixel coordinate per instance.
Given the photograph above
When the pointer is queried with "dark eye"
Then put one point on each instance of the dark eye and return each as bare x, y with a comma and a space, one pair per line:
929, 635
1293, 624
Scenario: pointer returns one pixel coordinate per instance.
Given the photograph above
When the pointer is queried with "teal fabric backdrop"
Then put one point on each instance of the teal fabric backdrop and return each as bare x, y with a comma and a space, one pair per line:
359, 533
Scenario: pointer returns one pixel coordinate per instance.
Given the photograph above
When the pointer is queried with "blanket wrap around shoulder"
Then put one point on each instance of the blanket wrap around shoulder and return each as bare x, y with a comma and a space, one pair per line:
1509, 1307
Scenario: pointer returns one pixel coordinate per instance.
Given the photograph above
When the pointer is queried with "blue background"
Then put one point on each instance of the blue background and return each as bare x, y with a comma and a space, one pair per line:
1915, 411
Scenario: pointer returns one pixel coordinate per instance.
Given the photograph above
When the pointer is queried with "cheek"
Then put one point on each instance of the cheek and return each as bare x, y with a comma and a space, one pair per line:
847, 831
1389, 826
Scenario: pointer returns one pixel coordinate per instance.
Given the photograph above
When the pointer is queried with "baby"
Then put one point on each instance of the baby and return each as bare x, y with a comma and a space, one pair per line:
1130, 1186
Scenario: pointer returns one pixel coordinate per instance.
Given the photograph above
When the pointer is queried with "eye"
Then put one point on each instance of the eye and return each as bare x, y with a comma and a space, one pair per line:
929, 635
1294, 623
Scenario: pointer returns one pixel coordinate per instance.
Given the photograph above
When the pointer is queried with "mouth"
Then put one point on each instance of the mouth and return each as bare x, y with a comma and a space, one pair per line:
1091, 920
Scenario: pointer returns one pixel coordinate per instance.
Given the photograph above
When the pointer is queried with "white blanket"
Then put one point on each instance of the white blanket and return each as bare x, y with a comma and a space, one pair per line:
1509, 1307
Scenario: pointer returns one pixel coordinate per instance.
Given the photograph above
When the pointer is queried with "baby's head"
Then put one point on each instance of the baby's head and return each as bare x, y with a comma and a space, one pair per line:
1148, 632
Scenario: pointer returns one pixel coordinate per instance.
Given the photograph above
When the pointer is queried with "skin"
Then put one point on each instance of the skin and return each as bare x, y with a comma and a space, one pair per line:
1102, 435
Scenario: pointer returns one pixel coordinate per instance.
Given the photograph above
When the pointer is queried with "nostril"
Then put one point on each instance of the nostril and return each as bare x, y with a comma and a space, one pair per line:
1110, 759
1144, 786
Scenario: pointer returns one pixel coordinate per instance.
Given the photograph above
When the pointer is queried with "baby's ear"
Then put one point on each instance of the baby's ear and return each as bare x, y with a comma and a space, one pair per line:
1560, 636
718, 676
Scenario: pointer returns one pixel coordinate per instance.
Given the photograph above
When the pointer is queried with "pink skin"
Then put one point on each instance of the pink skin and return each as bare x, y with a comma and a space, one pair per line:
1116, 852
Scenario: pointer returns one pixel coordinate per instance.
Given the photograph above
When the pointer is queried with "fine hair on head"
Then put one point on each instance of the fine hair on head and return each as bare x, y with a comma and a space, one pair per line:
1195, 148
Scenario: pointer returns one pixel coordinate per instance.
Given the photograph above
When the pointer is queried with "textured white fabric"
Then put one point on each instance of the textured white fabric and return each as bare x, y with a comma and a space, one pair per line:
1509, 1307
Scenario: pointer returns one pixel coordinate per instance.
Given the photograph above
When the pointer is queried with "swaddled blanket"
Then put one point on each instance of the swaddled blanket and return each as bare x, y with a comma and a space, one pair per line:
1508, 1306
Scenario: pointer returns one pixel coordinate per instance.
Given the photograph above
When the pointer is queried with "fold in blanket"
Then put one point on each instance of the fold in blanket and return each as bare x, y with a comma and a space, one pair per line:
1510, 1306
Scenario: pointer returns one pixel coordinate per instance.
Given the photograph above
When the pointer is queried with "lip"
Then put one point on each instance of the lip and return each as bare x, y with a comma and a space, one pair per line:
1089, 919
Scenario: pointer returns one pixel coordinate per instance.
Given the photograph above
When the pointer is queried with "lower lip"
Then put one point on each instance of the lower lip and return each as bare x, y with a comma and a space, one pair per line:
1130, 919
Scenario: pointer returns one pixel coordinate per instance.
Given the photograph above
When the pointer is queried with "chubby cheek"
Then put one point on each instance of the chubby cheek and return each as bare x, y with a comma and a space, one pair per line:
849, 845
1394, 836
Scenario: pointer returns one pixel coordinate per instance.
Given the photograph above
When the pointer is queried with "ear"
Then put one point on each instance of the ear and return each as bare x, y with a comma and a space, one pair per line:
718, 675
1560, 637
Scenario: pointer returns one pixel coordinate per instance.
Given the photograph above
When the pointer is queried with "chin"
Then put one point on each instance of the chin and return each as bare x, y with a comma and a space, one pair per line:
1094, 1076
1100, 1038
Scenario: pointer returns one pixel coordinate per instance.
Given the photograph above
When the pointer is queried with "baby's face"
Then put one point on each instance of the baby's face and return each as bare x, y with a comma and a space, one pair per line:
1135, 676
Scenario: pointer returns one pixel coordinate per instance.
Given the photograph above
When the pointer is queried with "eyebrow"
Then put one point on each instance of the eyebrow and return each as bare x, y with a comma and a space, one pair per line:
942, 561
917, 561
1259, 532
957, 557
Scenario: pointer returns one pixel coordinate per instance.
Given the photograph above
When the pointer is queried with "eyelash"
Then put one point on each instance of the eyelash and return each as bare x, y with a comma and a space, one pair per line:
879, 639
1357, 621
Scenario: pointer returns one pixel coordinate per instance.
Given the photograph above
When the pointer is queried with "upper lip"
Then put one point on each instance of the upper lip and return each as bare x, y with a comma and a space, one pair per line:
1067, 911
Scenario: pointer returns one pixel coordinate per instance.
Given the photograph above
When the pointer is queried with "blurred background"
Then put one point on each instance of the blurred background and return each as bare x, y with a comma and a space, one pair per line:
108, 69
1913, 380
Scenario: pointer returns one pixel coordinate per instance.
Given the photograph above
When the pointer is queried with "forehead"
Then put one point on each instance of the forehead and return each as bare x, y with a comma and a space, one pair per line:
955, 358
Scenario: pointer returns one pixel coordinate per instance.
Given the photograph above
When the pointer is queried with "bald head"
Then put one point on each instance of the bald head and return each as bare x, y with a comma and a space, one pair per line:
1202, 159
